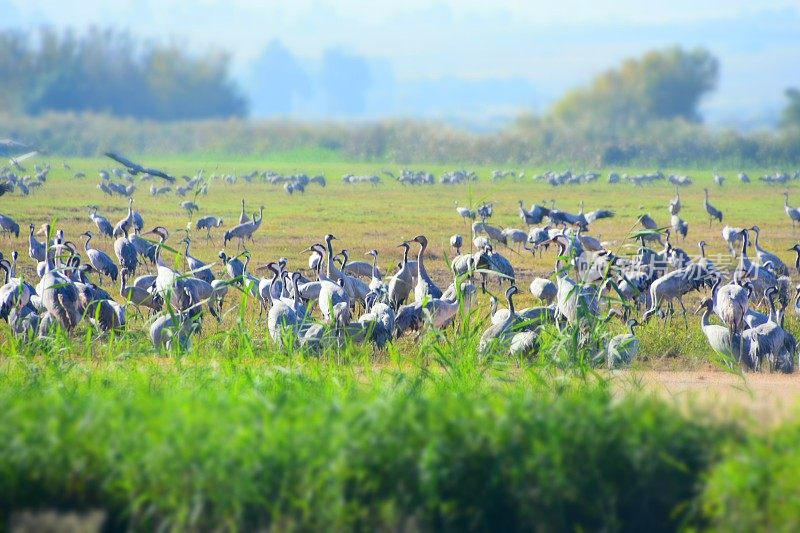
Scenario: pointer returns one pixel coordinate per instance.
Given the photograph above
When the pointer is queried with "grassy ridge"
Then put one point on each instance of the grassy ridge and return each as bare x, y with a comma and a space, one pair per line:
211, 444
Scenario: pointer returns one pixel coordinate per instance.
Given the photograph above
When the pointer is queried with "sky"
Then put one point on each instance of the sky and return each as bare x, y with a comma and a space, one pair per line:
482, 59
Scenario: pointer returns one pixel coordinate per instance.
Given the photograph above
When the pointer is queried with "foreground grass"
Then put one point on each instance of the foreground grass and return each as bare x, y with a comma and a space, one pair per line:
219, 444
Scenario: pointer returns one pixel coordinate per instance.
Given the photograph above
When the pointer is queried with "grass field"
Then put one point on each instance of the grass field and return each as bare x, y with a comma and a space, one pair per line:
365, 217
425, 435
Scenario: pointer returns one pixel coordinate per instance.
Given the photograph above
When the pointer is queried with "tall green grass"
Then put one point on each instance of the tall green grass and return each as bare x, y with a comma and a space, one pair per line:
222, 444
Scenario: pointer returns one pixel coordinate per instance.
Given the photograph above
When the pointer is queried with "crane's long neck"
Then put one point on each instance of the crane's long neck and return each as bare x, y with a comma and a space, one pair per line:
745, 241
420, 259
702, 251
405, 258
296, 290
706, 315
773, 316
758, 246
510, 299
159, 261
375, 266
329, 258
797, 260
86, 244
562, 251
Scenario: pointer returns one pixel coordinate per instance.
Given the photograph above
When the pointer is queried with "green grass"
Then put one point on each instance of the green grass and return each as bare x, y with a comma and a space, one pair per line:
209, 444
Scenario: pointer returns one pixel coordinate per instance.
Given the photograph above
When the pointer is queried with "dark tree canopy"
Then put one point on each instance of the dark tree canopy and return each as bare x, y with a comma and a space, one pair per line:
108, 71
791, 113
663, 84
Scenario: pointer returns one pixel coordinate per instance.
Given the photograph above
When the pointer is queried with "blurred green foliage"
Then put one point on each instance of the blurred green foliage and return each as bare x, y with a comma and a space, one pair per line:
108, 71
663, 84
232, 445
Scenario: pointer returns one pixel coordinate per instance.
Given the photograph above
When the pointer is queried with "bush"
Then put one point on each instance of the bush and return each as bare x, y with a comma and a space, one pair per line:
235, 447
754, 488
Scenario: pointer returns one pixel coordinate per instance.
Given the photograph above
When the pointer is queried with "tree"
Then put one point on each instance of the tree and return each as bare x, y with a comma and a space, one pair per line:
279, 81
791, 113
663, 84
345, 79
107, 71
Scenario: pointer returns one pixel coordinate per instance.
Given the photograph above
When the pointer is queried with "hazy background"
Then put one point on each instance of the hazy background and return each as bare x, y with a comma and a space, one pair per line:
468, 62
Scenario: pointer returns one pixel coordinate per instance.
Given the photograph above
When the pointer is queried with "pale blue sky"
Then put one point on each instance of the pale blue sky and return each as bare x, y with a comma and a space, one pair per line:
552, 45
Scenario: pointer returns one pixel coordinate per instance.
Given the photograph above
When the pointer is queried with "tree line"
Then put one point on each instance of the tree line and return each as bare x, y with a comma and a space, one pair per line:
111, 72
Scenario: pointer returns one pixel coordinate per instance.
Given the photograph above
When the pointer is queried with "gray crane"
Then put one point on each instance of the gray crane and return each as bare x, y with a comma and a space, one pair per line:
189, 206
400, 285
723, 341
544, 289
673, 286
208, 223
136, 295
712, 211
244, 230
792, 212
730, 303
197, 268
243, 218
457, 241
675, 203
763, 256
36, 250
103, 225
534, 216
126, 224
8, 226
99, 260
59, 296
126, 253
622, 349
425, 285
503, 330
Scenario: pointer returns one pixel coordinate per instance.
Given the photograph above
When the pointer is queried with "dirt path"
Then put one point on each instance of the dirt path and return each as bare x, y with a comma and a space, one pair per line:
766, 398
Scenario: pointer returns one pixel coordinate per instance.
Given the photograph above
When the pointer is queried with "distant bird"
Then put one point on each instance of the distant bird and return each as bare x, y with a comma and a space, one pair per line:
189, 206
744, 178
8, 226
244, 230
732, 236
534, 216
457, 241
679, 226
243, 218
712, 211
675, 203
465, 212
136, 168
207, 223
792, 212
719, 180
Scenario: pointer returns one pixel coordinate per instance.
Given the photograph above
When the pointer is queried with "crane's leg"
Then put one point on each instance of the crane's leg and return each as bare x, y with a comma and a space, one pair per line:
683, 308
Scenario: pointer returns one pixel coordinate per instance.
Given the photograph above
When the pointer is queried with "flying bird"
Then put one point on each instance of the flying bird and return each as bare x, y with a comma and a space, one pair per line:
136, 168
